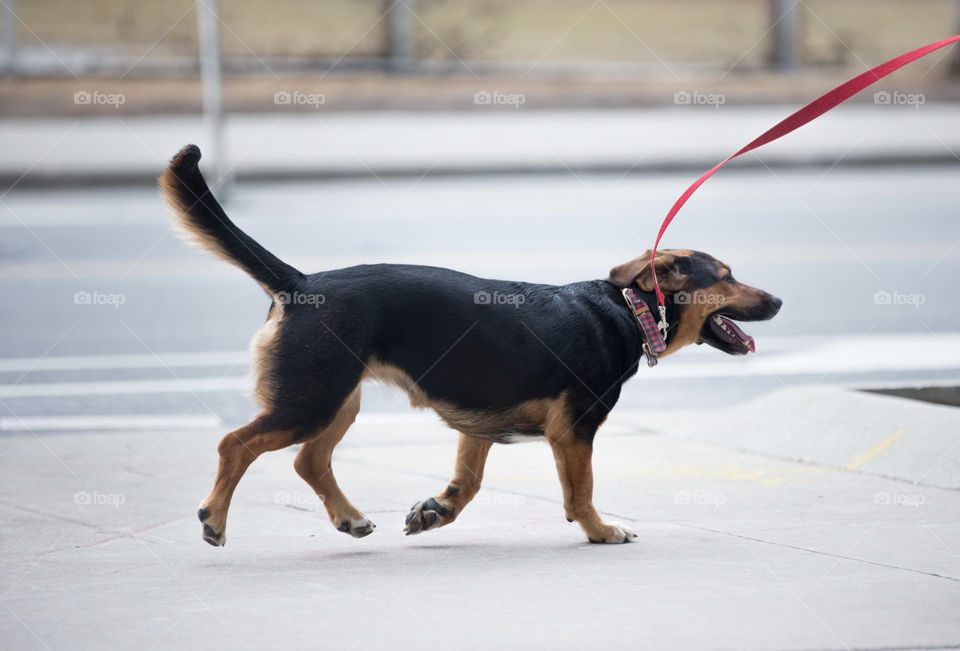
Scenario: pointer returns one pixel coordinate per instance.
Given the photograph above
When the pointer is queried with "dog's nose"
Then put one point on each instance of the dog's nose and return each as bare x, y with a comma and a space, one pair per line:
777, 303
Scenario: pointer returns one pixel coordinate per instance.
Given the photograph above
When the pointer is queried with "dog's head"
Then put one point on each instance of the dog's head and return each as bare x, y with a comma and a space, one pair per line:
703, 297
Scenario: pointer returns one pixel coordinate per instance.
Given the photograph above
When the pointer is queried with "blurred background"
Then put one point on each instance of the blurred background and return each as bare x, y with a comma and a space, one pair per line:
537, 140
426, 54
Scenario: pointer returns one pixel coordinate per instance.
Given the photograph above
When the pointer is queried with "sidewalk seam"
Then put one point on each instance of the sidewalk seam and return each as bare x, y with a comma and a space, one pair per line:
820, 553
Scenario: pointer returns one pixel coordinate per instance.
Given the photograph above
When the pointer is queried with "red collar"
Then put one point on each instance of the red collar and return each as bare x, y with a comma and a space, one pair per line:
654, 342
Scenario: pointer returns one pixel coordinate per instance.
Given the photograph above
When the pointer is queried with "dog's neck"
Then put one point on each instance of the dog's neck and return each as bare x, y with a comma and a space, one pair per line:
652, 324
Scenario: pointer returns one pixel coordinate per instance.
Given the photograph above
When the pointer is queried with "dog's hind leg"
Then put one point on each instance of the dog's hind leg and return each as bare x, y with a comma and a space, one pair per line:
238, 450
313, 463
443, 509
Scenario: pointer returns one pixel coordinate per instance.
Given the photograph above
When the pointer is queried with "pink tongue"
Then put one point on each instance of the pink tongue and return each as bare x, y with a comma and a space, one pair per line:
744, 337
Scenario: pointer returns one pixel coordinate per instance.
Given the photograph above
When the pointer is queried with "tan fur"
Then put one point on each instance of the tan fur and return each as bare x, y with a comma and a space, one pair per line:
704, 302
467, 477
238, 450
183, 225
637, 271
468, 471
262, 354
492, 425
573, 458
182, 222
478, 429
389, 374
313, 463
693, 317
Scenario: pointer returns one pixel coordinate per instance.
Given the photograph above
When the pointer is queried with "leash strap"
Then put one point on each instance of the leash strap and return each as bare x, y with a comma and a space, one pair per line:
811, 111
654, 342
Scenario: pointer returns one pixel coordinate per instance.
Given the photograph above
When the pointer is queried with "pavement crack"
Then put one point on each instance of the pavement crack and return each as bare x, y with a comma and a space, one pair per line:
55, 516
821, 553
689, 526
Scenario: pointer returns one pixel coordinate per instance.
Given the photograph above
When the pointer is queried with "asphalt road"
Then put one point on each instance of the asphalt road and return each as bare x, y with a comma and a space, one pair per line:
97, 275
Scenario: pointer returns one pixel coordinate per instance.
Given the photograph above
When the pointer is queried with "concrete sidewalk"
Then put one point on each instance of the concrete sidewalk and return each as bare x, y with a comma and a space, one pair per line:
736, 550
331, 145
910, 440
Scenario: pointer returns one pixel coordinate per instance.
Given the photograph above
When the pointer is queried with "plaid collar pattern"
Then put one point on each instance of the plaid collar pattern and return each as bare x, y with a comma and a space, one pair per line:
653, 342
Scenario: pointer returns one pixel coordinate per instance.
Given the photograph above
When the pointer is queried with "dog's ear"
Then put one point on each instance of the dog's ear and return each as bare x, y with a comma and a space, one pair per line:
637, 271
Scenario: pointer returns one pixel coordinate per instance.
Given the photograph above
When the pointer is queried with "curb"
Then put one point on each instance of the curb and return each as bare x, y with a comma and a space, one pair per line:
839, 428
115, 178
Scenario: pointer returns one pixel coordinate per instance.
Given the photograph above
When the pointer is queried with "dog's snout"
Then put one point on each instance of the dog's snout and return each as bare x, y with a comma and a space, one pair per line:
776, 304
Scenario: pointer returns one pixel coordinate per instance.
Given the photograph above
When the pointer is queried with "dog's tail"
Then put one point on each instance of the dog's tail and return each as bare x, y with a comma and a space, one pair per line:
201, 221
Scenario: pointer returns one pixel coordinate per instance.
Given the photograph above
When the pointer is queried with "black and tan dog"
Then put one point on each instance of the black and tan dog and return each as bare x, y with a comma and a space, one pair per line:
497, 360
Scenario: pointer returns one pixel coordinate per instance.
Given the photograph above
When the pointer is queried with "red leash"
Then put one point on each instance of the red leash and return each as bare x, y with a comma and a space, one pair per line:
811, 111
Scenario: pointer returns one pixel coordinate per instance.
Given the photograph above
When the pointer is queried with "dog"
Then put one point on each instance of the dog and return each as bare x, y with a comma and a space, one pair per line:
498, 361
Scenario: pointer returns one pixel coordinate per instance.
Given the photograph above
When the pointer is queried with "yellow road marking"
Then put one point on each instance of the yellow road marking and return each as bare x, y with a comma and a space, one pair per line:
874, 451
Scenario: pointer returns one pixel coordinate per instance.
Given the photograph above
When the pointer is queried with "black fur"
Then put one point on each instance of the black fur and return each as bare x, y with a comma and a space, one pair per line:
477, 344
578, 338
190, 191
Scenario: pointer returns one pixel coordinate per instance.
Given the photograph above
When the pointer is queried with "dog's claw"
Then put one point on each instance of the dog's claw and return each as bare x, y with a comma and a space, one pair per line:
617, 534
357, 528
210, 534
427, 514
217, 539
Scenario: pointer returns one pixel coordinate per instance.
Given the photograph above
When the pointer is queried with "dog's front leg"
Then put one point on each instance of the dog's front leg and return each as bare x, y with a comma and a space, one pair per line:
443, 509
573, 456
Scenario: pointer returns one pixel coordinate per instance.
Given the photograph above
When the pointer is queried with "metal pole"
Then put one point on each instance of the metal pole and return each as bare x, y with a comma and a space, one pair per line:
955, 60
784, 19
10, 30
400, 19
208, 26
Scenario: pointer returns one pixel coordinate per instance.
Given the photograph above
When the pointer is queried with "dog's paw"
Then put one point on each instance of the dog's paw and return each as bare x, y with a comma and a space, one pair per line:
614, 533
210, 533
428, 514
356, 527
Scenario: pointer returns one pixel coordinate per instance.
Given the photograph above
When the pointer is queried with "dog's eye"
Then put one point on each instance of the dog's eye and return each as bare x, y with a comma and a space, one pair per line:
729, 280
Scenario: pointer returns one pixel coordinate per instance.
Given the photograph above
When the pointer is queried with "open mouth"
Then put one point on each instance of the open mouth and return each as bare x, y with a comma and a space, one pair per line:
722, 333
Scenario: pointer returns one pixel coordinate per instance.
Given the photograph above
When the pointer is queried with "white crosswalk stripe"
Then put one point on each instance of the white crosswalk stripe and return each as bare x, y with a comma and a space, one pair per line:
113, 422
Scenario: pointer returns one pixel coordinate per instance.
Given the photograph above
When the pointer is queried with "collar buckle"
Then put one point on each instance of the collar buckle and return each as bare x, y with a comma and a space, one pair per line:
662, 323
